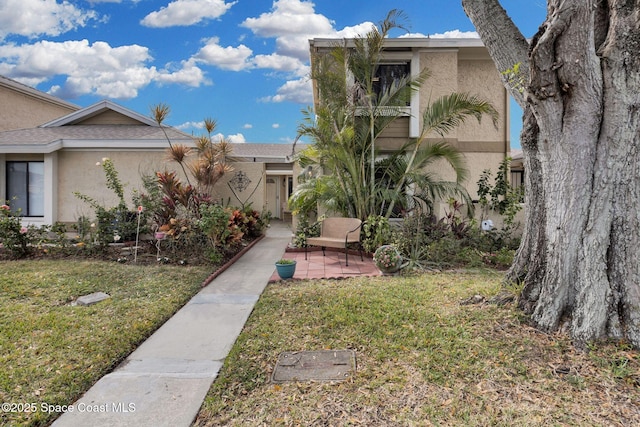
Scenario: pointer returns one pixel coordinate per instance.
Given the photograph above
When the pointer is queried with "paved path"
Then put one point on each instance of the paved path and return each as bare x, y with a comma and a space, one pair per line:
164, 382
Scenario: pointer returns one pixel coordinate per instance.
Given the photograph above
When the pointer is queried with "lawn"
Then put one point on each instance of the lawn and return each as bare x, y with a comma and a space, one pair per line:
52, 351
423, 358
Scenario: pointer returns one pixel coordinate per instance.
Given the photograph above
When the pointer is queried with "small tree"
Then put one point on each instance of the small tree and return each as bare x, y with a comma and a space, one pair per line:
212, 158
500, 196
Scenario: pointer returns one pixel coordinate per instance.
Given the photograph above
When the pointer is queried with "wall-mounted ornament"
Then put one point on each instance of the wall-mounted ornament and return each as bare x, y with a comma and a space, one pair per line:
240, 181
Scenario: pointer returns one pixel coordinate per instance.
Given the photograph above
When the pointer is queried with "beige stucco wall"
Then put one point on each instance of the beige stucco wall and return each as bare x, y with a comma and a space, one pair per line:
78, 172
480, 78
482, 145
110, 117
443, 80
19, 110
453, 71
255, 173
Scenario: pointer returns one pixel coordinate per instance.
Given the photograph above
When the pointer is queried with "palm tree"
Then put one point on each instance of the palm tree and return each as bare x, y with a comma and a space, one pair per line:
441, 117
351, 114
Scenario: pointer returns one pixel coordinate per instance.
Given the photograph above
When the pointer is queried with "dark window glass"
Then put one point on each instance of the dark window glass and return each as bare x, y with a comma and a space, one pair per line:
25, 187
386, 74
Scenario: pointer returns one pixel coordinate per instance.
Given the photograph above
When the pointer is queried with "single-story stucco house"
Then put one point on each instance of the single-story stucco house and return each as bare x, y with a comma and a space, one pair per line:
43, 163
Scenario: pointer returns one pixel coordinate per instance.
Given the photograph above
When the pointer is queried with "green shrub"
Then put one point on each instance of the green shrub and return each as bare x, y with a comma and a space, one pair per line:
115, 224
305, 229
502, 259
214, 223
254, 222
13, 235
376, 232
500, 196
453, 252
215, 256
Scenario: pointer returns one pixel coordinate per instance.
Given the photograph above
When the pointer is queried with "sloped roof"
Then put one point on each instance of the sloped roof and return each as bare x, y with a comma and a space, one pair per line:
77, 117
61, 133
516, 154
70, 131
266, 152
47, 140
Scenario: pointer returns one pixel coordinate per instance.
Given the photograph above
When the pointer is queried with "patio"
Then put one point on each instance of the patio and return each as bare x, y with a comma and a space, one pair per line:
331, 266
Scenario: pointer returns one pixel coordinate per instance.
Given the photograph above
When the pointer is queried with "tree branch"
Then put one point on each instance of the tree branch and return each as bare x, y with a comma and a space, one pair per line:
504, 41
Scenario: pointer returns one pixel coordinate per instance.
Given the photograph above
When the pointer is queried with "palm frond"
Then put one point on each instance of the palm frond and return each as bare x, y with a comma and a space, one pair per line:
450, 111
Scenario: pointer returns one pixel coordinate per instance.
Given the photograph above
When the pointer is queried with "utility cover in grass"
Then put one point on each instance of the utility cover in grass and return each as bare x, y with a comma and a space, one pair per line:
93, 298
325, 365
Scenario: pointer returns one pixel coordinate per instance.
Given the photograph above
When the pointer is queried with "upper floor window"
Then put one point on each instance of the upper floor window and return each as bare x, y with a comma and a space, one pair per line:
25, 187
387, 74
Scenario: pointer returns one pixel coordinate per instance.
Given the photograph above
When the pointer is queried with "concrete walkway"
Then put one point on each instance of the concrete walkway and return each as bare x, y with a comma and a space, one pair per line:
164, 382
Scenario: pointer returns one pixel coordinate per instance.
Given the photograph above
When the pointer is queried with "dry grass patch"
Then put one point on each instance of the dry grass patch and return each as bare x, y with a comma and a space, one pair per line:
423, 359
52, 352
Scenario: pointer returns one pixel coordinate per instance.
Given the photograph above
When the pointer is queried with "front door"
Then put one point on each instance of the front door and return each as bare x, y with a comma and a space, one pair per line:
273, 195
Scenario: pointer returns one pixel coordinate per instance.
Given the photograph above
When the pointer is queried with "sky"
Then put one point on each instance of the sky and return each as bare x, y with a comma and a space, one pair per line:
244, 63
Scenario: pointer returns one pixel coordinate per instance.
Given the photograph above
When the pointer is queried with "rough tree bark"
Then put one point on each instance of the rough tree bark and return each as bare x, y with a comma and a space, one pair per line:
581, 243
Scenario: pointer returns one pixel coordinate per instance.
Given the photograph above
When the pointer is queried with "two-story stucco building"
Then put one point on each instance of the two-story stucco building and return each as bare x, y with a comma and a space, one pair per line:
455, 65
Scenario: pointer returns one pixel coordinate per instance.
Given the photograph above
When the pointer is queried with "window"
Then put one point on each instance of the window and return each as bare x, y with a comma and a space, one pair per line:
517, 178
25, 187
289, 187
386, 74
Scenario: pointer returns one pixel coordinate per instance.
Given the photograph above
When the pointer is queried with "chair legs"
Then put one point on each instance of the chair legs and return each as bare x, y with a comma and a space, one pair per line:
346, 253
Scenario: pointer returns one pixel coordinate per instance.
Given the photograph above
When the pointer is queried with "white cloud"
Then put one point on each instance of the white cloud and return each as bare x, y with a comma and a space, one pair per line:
281, 63
355, 31
275, 125
98, 68
227, 58
188, 73
190, 125
289, 17
238, 138
186, 12
31, 18
298, 91
291, 23
247, 126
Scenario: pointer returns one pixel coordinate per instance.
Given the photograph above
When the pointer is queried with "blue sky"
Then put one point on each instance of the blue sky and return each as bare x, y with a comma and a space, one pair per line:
243, 63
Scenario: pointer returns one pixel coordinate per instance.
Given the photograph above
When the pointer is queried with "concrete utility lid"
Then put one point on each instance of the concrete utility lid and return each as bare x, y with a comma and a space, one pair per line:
325, 365
93, 298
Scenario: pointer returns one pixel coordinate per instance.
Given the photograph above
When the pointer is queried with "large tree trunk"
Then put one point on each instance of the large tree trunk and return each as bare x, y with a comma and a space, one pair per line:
582, 122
